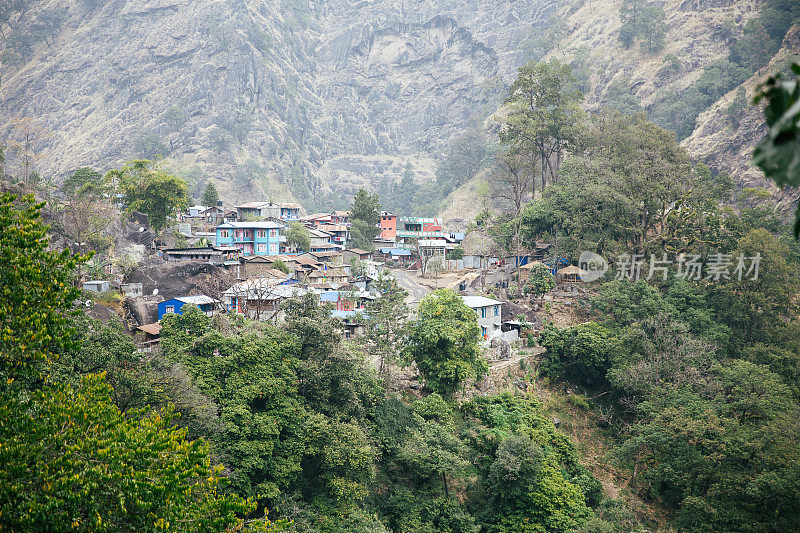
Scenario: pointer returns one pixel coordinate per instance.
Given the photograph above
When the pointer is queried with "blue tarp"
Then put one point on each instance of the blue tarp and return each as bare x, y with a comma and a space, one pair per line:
560, 262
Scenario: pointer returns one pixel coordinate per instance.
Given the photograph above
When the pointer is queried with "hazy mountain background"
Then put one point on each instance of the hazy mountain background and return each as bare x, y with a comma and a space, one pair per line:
310, 99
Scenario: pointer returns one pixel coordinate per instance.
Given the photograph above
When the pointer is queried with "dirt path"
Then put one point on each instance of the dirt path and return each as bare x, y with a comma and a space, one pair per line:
407, 280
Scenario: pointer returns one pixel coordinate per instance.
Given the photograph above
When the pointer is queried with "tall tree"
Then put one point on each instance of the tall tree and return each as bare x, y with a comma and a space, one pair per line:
36, 288
511, 184
210, 196
542, 116
644, 20
628, 191
69, 459
298, 237
385, 328
365, 216
89, 211
151, 190
444, 342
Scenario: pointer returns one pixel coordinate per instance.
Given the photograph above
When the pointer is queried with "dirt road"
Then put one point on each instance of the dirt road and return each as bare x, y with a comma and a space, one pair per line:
406, 280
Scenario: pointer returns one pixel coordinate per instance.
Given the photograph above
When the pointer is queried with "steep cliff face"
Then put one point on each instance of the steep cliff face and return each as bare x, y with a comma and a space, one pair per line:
264, 98
312, 99
726, 142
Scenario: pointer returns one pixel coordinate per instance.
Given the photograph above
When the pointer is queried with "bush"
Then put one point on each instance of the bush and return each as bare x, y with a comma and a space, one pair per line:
579, 353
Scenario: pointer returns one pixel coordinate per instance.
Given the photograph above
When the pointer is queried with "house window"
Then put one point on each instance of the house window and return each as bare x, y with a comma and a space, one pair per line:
483, 312
273, 249
223, 234
483, 331
496, 310
273, 234
262, 233
262, 247
169, 309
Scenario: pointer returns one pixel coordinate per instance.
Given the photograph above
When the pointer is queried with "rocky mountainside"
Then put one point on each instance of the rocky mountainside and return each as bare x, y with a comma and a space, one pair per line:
263, 98
311, 99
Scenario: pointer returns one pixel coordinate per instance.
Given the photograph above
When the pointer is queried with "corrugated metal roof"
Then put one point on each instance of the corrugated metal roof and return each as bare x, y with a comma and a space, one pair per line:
479, 301
200, 299
251, 225
152, 329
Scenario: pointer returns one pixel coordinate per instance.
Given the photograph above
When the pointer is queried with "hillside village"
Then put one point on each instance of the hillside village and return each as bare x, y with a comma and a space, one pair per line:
246, 246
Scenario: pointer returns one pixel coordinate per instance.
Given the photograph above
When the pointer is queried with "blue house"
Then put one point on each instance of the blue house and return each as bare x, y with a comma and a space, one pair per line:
290, 212
252, 238
206, 304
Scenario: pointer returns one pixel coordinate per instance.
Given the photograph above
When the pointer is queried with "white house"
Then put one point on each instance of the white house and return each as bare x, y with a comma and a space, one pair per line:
489, 314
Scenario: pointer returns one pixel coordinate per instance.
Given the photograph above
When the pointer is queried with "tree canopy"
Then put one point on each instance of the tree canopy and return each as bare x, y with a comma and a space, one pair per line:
365, 217
150, 189
210, 196
443, 341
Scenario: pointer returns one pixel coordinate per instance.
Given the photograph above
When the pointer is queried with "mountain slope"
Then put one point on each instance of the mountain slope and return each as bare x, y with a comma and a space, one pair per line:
262, 98
311, 99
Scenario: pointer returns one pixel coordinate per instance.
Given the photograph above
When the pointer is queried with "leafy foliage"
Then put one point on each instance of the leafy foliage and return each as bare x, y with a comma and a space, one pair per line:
542, 117
540, 281
778, 154
385, 325
298, 236
69, 458
36, 288
642, 19
151, 190
443, 341
365, 216
71, 461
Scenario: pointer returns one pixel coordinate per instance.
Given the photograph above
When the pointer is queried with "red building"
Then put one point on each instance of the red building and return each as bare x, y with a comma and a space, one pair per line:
388, 226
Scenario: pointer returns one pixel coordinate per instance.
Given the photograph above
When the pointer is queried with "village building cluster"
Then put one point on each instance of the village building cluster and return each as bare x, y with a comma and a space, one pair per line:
249, 243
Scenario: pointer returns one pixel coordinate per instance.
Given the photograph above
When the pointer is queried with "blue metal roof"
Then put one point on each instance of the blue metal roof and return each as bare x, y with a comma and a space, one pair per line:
346, 314
329, 296
395, 251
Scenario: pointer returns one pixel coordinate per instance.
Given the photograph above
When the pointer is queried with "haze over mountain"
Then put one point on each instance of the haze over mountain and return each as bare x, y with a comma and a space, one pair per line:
312, 99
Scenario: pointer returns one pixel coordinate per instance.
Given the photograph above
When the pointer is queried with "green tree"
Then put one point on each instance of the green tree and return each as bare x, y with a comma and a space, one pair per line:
579, 353
540, 281
36, 288
72, 462
433, 452
444, 342
151, 190
298, 236
694, 436
644, 20
280, 265
754, 307
210, 196
90, 211
365, 216
385, 327
778, 154
542, 116
620, 193
69, 459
